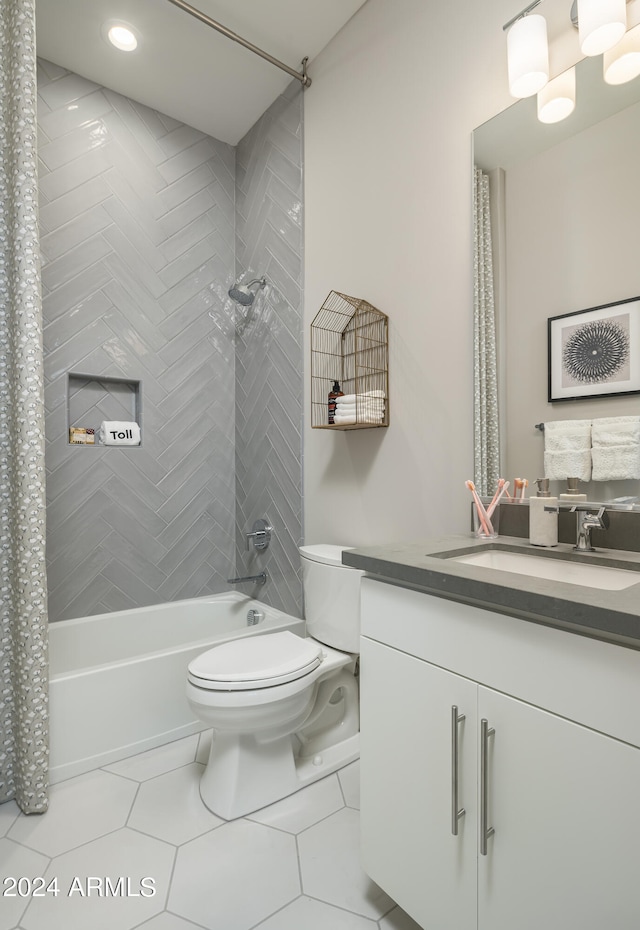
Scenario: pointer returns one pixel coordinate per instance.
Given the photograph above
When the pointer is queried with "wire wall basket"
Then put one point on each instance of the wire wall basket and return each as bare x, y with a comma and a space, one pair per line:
350, 345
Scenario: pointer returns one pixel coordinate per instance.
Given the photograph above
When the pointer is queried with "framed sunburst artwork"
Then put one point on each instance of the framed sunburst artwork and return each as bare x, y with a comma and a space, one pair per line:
595, 352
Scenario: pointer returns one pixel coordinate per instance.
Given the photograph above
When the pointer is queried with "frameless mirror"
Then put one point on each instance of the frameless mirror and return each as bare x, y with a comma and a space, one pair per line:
565, 205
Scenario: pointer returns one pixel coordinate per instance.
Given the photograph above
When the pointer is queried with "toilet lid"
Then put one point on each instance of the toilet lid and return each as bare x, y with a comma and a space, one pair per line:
256, 662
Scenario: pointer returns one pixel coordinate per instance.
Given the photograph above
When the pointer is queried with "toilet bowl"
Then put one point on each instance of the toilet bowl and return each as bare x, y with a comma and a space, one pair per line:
284, 709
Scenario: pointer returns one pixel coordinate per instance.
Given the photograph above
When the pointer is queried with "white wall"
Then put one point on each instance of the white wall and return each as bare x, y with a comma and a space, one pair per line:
388, 124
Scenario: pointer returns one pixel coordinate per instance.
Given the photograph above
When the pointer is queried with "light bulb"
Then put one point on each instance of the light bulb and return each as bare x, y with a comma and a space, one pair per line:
622, 62
123, 38
601, 24
527, 56
557, 99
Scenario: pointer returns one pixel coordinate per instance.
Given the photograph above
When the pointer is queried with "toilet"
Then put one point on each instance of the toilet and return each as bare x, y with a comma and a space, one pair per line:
284, 710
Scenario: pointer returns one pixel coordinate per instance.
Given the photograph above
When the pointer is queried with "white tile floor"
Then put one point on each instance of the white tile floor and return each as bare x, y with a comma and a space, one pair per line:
113, 836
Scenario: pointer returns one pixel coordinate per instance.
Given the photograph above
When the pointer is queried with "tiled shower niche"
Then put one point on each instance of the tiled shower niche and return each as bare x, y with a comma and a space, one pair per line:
92, 399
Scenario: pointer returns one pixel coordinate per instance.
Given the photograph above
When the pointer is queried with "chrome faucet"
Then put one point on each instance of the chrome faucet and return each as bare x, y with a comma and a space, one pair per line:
586, 520
259, 579
260, 534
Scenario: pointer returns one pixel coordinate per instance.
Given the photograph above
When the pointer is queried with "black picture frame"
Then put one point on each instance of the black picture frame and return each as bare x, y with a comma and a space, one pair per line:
595, 352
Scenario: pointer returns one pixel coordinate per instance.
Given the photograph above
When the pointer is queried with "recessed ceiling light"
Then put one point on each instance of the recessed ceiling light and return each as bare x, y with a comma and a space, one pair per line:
122, 37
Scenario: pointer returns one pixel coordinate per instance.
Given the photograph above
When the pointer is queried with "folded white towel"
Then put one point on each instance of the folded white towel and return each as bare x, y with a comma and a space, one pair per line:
350, 418
368, 406
616, 463
351, 398
616, 448
119, 433
616, 431
552, 426
567, 449
568, 463
567, 435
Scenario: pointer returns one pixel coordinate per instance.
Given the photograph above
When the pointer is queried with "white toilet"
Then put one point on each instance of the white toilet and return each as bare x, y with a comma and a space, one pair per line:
284, 710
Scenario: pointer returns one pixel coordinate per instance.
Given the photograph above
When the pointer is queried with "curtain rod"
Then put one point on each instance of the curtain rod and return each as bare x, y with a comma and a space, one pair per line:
303, 77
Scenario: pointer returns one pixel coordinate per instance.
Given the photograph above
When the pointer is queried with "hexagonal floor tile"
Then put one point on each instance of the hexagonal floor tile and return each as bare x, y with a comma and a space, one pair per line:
80, 809
350, 782
331, 870
170, 807
85, 898
234, 876
307, 914
17, 862
304, 808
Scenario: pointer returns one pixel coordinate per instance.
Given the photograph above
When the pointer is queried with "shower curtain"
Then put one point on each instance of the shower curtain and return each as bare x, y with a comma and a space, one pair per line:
485, 377
23, 591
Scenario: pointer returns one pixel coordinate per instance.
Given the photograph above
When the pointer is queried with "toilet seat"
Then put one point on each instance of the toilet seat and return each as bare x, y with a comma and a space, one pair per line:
255, 662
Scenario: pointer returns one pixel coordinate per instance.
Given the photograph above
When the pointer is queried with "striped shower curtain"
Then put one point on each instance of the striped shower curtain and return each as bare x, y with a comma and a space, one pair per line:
23, 591
485, 375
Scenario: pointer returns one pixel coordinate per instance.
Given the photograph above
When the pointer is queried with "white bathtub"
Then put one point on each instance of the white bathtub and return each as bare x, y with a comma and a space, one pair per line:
117, 680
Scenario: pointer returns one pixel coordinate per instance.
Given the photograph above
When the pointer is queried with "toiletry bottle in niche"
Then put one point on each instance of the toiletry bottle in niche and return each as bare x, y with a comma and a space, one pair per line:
572, 493
333, 394
543, 516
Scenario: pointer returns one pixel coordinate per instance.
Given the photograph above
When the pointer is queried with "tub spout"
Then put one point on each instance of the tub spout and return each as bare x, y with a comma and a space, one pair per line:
260, 579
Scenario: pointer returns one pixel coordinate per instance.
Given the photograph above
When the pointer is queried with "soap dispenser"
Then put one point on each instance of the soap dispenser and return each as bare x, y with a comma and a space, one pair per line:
543, 516
572, 493
334, 393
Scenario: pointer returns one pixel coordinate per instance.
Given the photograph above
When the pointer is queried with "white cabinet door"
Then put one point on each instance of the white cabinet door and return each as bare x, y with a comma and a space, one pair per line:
407, 789
564, 802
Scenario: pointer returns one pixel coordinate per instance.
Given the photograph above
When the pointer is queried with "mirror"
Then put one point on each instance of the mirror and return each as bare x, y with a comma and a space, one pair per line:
565, 219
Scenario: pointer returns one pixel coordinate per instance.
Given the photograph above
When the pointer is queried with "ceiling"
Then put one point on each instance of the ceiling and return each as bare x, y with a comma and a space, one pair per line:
184, 68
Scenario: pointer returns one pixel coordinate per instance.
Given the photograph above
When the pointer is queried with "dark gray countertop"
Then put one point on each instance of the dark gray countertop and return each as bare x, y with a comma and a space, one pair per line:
613, 616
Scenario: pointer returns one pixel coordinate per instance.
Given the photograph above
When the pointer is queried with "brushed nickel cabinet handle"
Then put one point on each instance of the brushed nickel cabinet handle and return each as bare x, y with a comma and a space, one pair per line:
456, 812
485, 830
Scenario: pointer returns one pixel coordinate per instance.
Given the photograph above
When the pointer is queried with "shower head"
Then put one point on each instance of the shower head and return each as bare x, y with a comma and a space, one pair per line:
242, 294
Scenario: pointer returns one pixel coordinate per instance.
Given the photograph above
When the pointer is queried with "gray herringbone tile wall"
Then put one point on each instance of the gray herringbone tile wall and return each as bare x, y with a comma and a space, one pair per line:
137, 226
269, 347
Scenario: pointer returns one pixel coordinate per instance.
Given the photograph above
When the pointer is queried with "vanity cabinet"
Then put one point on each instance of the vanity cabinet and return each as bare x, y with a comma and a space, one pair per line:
561, 796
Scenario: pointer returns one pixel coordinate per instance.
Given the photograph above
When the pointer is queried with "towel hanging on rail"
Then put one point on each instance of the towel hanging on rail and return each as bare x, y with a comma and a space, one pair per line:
567, 449
616, 448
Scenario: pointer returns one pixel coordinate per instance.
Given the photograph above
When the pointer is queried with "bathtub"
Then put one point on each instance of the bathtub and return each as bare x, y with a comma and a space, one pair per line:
117, 680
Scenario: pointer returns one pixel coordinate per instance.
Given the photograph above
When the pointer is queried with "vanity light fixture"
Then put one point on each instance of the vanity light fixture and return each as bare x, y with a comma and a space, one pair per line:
601, 24
121, 36
527, 52
622, 62
557, 99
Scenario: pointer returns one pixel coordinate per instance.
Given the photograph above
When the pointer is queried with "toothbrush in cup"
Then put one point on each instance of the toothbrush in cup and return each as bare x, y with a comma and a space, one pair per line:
485, 522
496, 498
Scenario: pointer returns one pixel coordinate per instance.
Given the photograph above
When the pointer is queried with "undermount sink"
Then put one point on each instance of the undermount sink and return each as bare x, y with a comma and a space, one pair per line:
553, 569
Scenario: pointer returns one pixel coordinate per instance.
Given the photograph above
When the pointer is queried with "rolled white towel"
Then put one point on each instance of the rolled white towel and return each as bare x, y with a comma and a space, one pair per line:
575, 463
119, 433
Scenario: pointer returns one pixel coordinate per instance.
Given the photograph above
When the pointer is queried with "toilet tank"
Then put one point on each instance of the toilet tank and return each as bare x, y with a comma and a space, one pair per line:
331, 597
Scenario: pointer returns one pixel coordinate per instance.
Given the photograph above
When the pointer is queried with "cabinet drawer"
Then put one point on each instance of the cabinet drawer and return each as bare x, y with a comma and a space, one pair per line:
593, 683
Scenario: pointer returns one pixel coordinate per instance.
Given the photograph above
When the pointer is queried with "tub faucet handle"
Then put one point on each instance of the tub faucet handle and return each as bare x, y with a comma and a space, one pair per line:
260, 534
